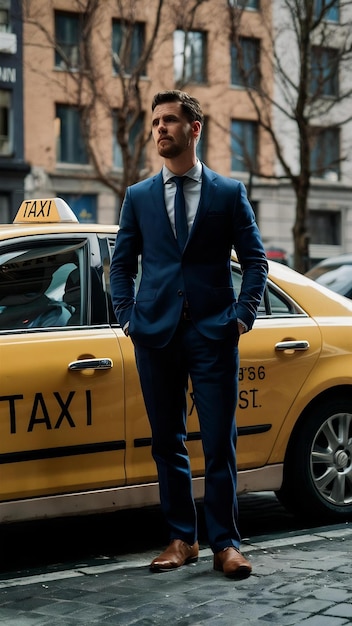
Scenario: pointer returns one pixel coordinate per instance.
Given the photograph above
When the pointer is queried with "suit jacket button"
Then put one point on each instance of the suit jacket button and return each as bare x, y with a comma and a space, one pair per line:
180, 293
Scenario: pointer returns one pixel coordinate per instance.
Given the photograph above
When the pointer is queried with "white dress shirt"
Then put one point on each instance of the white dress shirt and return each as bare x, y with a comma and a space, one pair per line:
192, 187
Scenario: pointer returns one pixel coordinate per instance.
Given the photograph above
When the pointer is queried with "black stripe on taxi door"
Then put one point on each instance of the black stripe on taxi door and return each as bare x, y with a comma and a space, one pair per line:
54, 453
143, 442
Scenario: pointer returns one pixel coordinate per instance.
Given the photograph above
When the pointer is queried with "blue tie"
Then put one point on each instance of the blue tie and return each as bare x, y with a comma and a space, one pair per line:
181, 225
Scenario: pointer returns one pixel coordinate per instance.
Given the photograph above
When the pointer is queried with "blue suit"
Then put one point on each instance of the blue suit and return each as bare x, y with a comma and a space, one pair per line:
169, 350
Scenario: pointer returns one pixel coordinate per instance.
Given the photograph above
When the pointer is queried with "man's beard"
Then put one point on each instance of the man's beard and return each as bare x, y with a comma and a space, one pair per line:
171, 150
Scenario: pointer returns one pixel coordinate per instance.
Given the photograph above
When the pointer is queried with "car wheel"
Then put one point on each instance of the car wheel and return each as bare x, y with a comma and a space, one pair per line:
318, 465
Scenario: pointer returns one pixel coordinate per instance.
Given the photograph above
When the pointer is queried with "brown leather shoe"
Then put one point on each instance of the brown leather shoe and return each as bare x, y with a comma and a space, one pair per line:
176, 554
232, 563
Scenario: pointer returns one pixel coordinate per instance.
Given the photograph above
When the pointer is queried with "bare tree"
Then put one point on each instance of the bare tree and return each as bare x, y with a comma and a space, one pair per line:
87, 82
307, 50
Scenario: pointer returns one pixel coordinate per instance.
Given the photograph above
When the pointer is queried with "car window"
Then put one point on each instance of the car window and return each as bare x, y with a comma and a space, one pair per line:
111, 246
111, 242
279, 304
40, 286
273, 302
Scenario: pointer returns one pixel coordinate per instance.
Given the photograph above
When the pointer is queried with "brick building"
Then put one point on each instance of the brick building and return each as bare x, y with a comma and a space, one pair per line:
79, 75
13, 167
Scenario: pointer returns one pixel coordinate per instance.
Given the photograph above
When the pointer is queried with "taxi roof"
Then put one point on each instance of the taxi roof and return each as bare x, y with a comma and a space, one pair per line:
44, 210
48, 216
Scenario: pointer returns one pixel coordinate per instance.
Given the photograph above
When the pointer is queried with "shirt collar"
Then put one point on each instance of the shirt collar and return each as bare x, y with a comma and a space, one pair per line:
195, 173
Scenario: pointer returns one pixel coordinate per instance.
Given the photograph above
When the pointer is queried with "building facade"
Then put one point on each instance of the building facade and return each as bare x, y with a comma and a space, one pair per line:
327, 111
13, 167
74, 94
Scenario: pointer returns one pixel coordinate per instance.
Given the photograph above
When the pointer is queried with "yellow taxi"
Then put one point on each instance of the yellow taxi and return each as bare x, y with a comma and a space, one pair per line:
74, 436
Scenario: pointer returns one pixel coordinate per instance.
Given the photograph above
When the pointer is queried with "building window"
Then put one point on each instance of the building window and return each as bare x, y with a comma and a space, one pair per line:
324, 72
245, 62
327, 10
128, 41
136, 130
325, 153
5, 209
325, 227
84, 206
189, 57
6, 141
4, 20
244, 4
67, 38
244, 145
70, 143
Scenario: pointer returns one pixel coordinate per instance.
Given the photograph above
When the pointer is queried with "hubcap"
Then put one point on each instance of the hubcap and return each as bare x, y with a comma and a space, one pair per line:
331, 459
341, 459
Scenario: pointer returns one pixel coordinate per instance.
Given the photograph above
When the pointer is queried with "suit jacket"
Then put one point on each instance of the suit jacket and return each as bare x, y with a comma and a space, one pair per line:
200, 274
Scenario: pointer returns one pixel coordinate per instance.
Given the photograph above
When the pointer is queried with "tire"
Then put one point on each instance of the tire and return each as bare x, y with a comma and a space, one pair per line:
317, 478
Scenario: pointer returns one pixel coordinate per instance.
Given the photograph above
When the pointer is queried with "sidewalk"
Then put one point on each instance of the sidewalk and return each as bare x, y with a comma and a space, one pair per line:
300, 579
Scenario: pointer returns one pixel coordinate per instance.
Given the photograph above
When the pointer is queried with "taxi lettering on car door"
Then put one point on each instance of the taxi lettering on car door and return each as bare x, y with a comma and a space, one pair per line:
62, 415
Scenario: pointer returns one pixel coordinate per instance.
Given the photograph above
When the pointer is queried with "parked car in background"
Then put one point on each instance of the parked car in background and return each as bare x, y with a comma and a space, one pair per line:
335, 273
277, 254
74, 435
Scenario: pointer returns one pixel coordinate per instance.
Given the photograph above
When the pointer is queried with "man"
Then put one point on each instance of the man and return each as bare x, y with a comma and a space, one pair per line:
185, 322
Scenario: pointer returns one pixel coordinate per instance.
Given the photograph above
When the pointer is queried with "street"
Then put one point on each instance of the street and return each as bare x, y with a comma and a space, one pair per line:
94, 571
65, 541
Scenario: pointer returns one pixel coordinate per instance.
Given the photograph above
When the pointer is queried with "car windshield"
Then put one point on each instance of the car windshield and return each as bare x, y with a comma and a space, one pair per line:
338, 279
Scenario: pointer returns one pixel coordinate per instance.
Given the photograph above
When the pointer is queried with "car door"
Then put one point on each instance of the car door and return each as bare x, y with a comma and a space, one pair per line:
62, 402
276, 358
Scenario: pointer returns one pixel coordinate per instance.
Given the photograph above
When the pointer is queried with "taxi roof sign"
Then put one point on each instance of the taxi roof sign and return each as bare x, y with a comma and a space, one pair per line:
45, 210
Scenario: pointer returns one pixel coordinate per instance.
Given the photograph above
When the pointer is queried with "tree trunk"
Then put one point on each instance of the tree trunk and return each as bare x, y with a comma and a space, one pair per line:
300, 231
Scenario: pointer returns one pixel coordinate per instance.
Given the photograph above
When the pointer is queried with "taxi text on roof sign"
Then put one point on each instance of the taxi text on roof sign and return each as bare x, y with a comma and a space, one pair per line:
45, 210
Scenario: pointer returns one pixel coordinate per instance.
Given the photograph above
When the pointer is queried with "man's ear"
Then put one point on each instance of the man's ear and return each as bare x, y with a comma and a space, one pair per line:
196, 128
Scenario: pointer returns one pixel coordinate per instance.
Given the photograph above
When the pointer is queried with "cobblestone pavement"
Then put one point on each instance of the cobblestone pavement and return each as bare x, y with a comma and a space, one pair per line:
300, 579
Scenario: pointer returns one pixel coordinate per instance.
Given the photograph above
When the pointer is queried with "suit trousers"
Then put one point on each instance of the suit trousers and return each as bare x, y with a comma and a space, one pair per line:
212, 366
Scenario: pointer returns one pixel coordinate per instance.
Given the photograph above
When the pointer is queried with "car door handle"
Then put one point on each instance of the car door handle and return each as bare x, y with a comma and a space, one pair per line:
292, 345
91, 364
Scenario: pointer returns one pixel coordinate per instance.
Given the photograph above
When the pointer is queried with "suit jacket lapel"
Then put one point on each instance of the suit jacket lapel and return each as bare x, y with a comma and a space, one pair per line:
158, 199
208, 190
157, 189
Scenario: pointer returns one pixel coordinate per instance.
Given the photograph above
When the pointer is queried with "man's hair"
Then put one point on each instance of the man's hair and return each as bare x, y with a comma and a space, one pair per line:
190, 106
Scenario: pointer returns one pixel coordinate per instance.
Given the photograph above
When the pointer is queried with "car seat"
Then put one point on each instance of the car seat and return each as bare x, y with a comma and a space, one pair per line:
72, 297
25, 305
